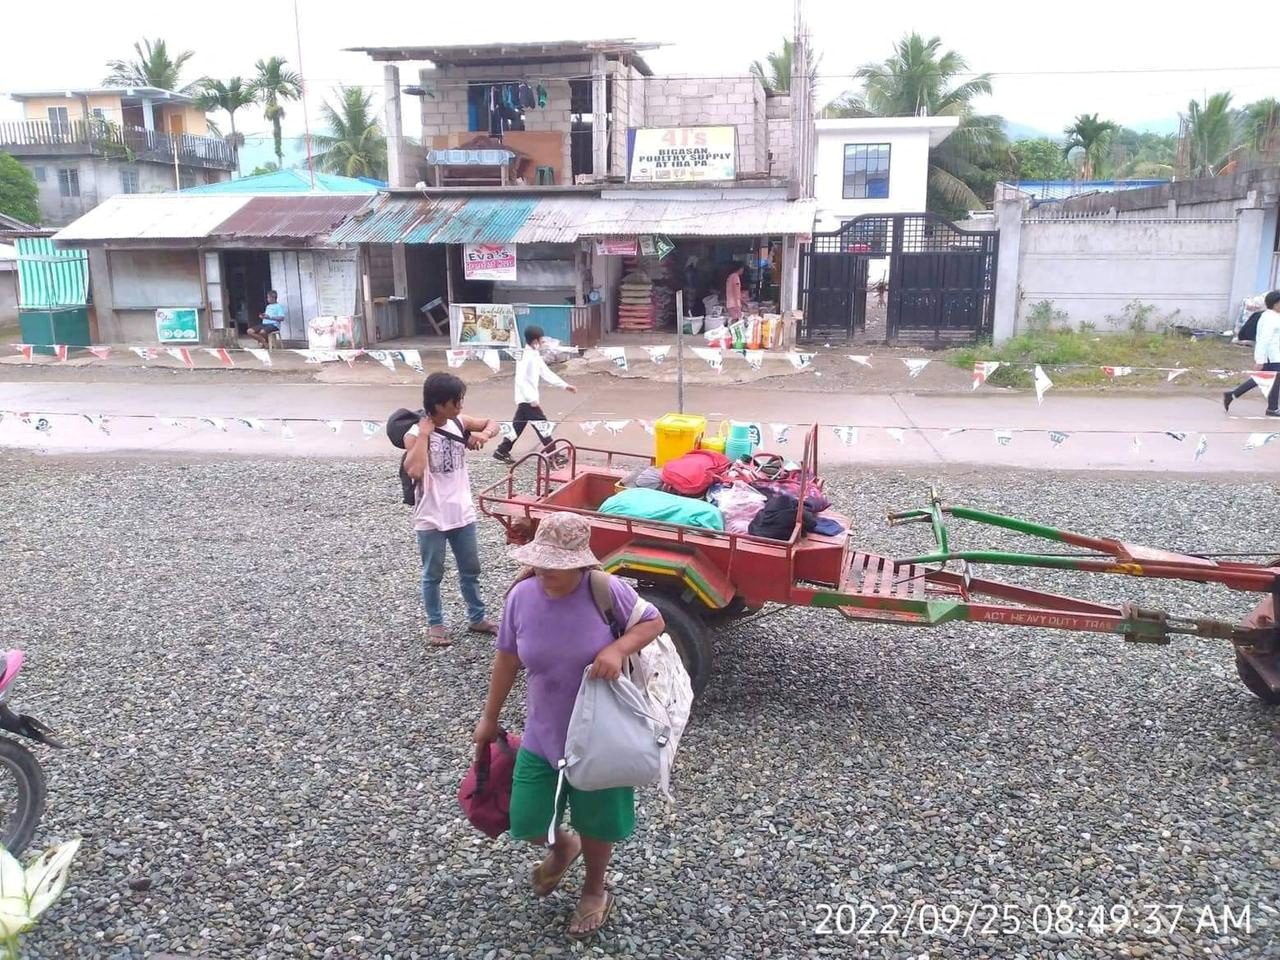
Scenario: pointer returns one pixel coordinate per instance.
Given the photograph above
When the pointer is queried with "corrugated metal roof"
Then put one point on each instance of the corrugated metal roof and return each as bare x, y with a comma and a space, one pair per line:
286, 182
50, 277
300, 216
526, 219
151, 217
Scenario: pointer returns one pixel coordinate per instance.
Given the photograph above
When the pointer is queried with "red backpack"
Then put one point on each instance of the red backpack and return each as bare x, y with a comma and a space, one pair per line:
694, 473
485, 792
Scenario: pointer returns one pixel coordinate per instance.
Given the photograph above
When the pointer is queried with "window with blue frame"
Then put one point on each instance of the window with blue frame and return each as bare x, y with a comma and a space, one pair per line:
866, 171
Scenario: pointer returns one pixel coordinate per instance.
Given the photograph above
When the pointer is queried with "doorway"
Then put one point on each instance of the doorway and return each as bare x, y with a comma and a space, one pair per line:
247, 278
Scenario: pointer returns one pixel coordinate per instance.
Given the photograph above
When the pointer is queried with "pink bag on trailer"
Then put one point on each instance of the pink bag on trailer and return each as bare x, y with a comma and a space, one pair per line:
739, 504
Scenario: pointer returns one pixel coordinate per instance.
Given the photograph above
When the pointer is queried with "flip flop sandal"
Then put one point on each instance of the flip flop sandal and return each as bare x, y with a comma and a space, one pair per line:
544, 886
438, 637
482, 626
604, 912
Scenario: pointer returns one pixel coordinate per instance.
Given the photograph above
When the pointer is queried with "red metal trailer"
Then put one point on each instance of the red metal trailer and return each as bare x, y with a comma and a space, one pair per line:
694, 576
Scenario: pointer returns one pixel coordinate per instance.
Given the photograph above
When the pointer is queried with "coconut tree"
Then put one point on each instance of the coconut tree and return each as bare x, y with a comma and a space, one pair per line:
353, 144
273, 85
920, 80
1092, 137
775, 73
1261, 128
228, 97
152, 68
1212, 131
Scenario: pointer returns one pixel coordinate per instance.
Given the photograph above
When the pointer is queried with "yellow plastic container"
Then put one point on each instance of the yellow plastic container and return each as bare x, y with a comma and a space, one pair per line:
717, 442
676, 434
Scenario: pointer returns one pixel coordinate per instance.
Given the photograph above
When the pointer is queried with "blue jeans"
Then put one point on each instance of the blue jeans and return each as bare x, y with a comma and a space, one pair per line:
466, 552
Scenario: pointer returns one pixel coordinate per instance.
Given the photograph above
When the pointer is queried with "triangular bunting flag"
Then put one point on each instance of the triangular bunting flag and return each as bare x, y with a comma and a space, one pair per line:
385, 357
350, 356
102, 353
1222, 374
954, 432
658, 354
492, 360
1137, 445
182, 355
253, 423
1257, 440
860, 360
801, 361
1174, 374
781, 433
615, 355
1263, 378
1043, 383
648, 427
221, 355
262, 356
456, 358
216, 422
589, 427
914, 365
1202, 447
714, 357
615, 427
983, 369
1176, 435
545, 428
1114, 372
846, 435
413, 360
25, 349
149, 353
506, 431
334, 425
60, 351
370, 428
286, 431
1058, 437
897, 434
98, 421
754, 358
1003, 437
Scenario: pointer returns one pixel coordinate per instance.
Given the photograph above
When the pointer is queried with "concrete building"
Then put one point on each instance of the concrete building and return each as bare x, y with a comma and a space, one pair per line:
83, 146
874, 165
1186, 252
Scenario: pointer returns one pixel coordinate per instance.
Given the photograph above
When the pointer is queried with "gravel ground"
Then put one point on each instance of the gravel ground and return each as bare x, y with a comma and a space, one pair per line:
257, 730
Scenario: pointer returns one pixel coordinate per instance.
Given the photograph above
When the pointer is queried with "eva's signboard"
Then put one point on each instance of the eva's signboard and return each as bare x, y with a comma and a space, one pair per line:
489, 261
681, 154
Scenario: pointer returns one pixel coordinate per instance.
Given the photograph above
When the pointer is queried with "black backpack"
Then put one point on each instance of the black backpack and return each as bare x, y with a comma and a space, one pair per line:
1249, 329
398, 426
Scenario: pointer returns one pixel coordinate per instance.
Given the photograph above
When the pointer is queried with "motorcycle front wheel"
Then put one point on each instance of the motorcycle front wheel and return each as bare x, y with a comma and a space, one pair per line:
22, 790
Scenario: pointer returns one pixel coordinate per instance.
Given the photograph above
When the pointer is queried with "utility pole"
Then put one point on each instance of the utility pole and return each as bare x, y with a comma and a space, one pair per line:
306, 122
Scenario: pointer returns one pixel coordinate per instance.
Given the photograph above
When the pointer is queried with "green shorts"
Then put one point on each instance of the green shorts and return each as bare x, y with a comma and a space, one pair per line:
606, 815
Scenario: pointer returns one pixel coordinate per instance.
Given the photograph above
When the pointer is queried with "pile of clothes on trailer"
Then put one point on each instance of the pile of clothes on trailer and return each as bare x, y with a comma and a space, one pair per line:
757, 495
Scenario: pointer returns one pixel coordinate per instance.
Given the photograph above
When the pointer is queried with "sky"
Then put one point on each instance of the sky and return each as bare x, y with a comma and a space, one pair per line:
1048, 67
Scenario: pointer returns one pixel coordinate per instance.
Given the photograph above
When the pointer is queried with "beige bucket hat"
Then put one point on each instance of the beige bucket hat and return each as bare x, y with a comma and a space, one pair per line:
563, 542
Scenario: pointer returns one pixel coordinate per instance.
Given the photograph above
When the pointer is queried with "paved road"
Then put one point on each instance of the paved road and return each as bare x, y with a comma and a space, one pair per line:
1102, 428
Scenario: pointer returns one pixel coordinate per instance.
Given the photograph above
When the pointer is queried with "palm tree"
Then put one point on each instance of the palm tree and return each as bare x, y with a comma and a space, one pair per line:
919, 80
1261, 132
353, 146
229, 97
273, 85
776, 76
1212, 133
153, 68
1092, 137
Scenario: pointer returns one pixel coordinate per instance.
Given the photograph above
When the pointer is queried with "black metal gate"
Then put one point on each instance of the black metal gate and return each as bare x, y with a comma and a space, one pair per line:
939, 290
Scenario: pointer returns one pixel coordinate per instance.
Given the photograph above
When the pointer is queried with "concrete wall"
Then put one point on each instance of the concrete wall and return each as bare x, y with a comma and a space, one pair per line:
1094, 269
908, 173
8, 293
780, 142
693, 101
101, 178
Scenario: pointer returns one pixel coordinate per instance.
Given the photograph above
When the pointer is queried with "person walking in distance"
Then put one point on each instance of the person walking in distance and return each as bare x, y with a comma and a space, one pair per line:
443, 513
733, 293
1266, 355
530, 371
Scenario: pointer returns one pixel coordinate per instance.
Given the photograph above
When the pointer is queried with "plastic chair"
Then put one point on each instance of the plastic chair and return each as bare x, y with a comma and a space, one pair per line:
273, 340
545, 175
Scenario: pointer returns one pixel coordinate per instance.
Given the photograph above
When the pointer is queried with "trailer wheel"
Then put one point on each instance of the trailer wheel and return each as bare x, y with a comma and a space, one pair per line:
690, 635
737, 607
1257, 686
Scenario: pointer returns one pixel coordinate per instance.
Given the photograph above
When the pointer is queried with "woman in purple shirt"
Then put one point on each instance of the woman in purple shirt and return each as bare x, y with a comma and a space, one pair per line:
552, 627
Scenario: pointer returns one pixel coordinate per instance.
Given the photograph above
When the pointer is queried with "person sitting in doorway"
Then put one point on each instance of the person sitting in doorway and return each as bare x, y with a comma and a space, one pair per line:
272, 319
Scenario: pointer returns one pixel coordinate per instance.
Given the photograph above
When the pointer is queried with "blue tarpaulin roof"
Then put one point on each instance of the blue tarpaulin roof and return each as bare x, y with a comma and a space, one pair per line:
1065, 189
49, 277
288, 181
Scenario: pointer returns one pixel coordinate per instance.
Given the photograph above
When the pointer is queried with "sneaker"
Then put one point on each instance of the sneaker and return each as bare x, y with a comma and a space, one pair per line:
502, 457
1227, 397
1273, 413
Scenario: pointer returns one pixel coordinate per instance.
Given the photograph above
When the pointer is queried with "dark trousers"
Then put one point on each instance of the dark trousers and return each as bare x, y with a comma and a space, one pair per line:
1273, 398
525, 414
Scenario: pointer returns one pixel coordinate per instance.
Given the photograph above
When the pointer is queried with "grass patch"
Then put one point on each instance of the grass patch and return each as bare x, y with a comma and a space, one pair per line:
1048, 342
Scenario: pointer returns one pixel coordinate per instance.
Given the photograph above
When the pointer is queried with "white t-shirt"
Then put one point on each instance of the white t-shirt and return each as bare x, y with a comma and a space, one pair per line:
529, 371
1266, 346
444, 496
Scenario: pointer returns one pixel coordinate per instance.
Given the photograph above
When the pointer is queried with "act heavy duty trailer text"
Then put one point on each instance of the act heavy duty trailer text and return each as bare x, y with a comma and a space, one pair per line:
693, 575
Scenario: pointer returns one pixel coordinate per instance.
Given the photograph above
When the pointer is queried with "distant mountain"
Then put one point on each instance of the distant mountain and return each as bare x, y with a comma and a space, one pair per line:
259, 150
1164, 126
1020, 131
